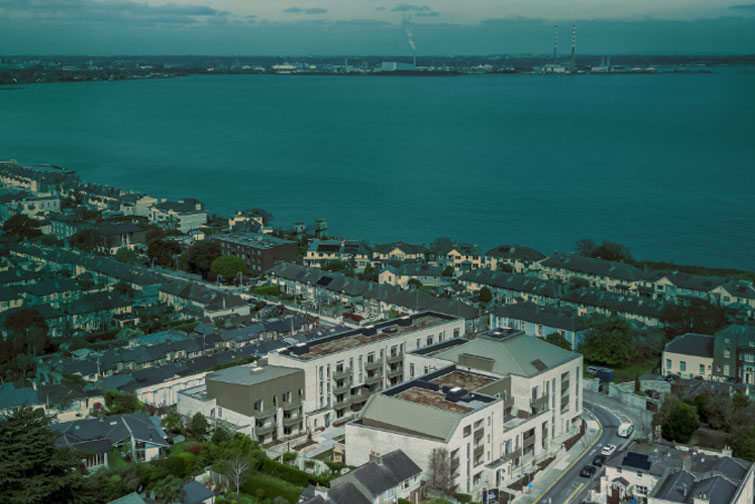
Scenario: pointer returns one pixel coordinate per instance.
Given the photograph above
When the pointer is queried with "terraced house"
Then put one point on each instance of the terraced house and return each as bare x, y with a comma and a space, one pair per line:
399, 251
519, 259
509, 288
611, 275
342, 371
498, 403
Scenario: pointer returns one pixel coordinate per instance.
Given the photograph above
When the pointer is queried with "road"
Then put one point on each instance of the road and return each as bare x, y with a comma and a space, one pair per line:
571, 488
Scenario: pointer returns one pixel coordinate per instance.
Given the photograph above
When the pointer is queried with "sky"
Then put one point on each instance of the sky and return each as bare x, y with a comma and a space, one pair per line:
374, 27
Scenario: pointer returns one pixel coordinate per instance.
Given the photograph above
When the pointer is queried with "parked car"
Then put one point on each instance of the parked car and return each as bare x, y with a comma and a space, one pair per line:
670, 377
653, 393
608, 450
588, 471
598, 460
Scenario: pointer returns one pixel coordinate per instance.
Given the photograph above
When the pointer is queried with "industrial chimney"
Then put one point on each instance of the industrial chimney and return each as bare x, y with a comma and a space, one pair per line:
573, 44
555, 43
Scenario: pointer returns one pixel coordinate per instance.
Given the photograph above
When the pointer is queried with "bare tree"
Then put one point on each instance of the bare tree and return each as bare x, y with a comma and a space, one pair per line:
237, 469
440, 474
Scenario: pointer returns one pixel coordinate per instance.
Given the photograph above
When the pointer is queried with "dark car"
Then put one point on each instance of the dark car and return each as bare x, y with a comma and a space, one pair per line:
670, 377
598, 460
588, 471
653, 393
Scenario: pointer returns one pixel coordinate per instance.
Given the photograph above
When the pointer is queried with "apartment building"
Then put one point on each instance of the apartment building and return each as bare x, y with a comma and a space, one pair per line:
259, 251
498, 404
264, 402
342, 371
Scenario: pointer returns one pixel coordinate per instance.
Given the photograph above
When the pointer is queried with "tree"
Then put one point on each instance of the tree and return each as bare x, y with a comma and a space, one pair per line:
610, 341
485, 295
33, 469
198, 425
440, 475
120, 402
678, 420
236, 469
162, 251
126, 255
88, 240
585, 247
21, 227
199, 257
696, 315
172, 421
558, 340
27, 337
267, 217
228, 267
168, 490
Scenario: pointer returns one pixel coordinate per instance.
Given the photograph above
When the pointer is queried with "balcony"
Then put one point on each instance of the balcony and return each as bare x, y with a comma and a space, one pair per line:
394, 359
454, 464
264, 414
528, 442
479, 434
265, 429
375, 378
343, 402
564, 401
376, 364
289, 406
292, 420
512, 455
342, 375
345, 386
392, 373
539, 403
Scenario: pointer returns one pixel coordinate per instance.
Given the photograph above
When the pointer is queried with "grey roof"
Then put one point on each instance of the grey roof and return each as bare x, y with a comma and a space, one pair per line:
186, 206
387, 472
112, 429
119, 228
407, 248
615, 302
15, 394
347, 493
51, 286
419, 269
255, 240
513, 282
700, 345
550, 316
516, 355
132, 498
194, 492
515, 252
682, 280
740, 289
592, 266
250, 374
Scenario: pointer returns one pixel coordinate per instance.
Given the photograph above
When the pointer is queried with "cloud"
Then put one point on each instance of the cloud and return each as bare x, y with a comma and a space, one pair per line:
426, 14
412, 8
120, 11
745, 7
300, 10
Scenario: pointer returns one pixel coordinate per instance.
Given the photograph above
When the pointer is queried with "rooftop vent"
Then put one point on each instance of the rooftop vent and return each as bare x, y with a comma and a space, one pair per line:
370, 330
455, 394
405, 321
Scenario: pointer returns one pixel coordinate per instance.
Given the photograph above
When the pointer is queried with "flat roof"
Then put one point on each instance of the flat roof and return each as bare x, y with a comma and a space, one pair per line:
362, 336
463, 379
433, 398
251, 374
256, 240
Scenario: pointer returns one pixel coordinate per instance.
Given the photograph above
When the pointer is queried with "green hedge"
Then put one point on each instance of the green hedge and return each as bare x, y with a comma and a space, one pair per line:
267, 290
269, 487
292, 474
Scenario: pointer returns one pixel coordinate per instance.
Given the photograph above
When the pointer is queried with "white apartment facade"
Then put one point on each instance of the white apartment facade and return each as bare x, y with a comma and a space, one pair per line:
342, 371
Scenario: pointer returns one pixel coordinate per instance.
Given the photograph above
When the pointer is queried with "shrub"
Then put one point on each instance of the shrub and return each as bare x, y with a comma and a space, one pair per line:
269, 487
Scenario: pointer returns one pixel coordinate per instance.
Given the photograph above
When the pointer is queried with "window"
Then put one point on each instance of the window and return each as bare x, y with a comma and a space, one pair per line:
220, 412
539, 330
456, 333
467, 433
682, 366
411, 370
429, 340
258, 406
727, 353
702, 368
668, 364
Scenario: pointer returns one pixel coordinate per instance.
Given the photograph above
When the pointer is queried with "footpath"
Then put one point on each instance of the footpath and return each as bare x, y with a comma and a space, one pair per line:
545, 480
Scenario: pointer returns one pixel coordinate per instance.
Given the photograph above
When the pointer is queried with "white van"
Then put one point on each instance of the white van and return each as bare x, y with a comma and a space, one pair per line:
625, 429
